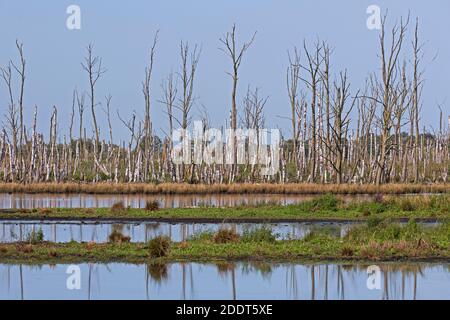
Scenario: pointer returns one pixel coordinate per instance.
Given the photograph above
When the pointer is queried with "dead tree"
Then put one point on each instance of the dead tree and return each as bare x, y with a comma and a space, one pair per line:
314, 61
416, 92
169, 88
340, 114
389, 78
235, 54
130, 164
292, 77
147, 119
11, 119
21, 71
93, 67
253, 119
189, 63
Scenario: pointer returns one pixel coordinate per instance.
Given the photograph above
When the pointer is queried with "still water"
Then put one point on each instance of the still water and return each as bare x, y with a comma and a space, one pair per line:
226, 281
31, 201
11, 231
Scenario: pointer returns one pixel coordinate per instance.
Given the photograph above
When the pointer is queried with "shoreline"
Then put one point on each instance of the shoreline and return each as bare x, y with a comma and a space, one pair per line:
137, 253
106, 220
326, 208
380, 238
301, 260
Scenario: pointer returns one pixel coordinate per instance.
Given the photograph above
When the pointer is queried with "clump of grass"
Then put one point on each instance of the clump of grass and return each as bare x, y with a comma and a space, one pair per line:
52, 253
202, 204
89, 211
411, 230
202, 236
44, 211
183, 245
3, 249
384, 232
426, 203
118, 207
371, 208
35, 236
118, 237
390, 232
441, 203
327, 202
406, 204
261, 234
319, 235
347, 251
159, 246
225, 235
24, 248
373, 222
371, 250
152, 205
90, 245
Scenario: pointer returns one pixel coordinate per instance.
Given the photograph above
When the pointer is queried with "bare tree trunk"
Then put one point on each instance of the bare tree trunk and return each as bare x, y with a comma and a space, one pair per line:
235, 54
93, 67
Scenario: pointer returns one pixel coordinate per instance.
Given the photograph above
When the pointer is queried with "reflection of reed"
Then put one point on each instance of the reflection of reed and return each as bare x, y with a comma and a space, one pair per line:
183, 284
291, 282
54, 232
264, 268
158, 272
233, 283
340, 283
89, 281
149, 227
391, 288
325, 293
313, 283
93, 268
223, 268
21, 282
191, 275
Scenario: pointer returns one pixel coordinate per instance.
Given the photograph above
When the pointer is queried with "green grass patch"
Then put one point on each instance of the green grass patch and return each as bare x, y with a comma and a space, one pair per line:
384, 241
327, 207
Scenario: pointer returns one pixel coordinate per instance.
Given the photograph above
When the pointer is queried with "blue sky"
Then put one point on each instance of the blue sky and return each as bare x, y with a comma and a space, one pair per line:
122, 33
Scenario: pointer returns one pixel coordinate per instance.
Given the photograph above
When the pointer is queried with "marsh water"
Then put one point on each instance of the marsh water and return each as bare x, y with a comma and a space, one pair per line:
31, 201
227, 280
66, 231
240, 280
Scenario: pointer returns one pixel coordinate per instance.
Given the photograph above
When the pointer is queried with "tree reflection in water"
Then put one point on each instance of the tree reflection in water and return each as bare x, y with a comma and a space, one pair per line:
243, 280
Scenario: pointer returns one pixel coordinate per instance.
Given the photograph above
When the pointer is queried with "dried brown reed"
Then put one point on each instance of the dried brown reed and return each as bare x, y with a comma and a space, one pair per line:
238, 188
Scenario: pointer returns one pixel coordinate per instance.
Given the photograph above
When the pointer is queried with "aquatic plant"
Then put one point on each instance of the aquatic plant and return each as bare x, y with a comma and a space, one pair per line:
226, 235
117, 207
261, 234
159, 246
118, 237
35, 236
152, 205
